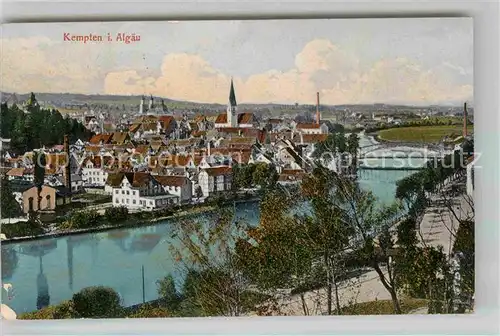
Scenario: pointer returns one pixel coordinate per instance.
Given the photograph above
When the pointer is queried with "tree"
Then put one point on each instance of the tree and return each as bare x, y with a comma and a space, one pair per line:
9, 207
208, 249
371, 230
168, 293
276, 255
198, 192
97, 302
264, 175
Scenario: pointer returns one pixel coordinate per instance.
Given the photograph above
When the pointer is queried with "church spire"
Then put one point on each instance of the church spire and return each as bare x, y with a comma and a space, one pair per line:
232, 96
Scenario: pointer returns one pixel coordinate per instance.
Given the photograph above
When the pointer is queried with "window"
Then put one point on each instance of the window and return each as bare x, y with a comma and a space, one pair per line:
133, 201
48, 201
117, 191
128, 192
133, 192
123, 192
150, 202
127, 200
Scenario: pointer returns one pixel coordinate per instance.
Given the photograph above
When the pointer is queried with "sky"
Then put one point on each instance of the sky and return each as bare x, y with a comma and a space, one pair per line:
416, 61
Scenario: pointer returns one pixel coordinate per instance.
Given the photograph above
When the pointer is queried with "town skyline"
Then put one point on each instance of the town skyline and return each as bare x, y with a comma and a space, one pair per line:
416, 64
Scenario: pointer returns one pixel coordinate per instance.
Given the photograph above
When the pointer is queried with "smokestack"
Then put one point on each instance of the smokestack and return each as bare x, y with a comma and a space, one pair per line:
67, 168
465, 120
317, 108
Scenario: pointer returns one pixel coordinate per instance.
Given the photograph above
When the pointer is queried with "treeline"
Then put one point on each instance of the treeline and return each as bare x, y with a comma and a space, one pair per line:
38, 127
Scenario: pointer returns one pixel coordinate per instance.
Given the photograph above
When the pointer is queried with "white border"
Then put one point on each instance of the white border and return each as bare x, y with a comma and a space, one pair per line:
486, 88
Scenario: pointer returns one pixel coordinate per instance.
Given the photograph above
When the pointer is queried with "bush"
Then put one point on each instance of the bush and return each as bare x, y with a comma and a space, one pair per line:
64, 310
116, 214
22, 229
97, 302
148, 311
46, 313
84, 219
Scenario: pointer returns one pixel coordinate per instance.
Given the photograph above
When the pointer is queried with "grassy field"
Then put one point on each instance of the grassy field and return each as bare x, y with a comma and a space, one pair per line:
384, 307
421, 133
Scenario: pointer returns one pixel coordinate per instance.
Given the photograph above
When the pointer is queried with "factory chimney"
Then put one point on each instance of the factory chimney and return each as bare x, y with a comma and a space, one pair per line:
67, 168
465, 120
318, 117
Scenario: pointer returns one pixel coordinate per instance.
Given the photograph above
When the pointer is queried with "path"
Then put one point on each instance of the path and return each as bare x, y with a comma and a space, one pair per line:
439, 223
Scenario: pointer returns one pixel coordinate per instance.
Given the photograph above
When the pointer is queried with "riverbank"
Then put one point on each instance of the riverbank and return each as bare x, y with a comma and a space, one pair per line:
188, 211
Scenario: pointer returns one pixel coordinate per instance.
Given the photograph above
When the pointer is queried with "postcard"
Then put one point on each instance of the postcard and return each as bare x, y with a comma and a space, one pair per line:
237, 168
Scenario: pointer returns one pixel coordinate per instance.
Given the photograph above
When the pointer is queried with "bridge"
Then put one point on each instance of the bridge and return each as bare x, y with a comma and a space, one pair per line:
415, 151
390, 168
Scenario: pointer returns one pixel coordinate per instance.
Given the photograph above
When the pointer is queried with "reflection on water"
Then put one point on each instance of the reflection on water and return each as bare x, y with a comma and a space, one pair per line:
49, 271
43, 297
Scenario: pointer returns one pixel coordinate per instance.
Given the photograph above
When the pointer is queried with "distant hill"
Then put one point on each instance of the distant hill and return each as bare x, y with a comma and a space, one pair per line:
72, 100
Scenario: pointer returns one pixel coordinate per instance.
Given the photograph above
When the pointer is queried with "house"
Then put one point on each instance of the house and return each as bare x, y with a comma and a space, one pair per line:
215, 179
95, 170
311, 128
167, 124
21, 173
180, 186
140, 191
101, 139
120, 138
50, 197
76, 182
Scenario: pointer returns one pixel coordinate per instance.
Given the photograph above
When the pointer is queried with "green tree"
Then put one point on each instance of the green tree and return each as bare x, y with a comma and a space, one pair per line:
198, 192
208, 248
97, 302
10, 208
169, 294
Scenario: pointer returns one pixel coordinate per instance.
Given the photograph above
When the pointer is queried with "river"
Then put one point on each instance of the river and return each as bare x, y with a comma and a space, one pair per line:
48, 271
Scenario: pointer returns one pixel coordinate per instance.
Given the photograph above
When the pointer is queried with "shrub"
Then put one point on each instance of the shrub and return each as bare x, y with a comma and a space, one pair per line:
116, 214
22, 229
84, 219
64, 310
97, 302
148, 311
46, 313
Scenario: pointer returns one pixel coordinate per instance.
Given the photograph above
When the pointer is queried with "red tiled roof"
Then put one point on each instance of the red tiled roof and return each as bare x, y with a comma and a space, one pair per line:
105, 138
136, 179
243, 118
221, 118
165, 121
307, 126
216, 171
313, 138
120, 137
171, 180
19, 172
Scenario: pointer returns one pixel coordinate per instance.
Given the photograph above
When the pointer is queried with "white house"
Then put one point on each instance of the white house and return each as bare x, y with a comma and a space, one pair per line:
94, 173
140, 191
180, 186
312, 128
215, 179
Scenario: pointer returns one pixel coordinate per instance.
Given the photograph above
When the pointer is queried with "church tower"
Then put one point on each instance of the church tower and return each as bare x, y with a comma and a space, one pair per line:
150, 107
232, 117
141, 106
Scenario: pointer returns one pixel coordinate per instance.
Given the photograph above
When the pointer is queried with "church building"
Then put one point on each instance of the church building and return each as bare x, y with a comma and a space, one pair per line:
233, 119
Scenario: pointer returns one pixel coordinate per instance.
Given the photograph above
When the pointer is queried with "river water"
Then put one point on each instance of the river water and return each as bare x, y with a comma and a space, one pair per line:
49, 271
